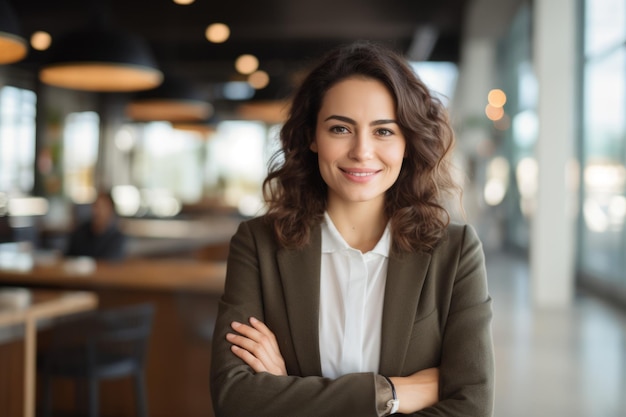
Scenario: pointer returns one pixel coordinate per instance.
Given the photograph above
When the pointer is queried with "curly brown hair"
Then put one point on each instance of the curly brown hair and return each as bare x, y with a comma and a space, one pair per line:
294, 189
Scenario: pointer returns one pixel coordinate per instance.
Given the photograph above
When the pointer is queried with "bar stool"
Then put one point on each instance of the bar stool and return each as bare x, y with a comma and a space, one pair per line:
105, 344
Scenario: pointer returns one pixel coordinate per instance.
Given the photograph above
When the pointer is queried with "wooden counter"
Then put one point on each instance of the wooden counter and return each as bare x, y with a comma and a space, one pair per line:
133, 274
185, 293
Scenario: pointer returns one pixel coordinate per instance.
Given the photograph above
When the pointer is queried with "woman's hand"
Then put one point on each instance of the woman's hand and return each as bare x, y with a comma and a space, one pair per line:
256, 345
417, 391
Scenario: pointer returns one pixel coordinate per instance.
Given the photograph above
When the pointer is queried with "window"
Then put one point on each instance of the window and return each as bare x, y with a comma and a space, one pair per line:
17, 140
167, 164
603, 229
80, 154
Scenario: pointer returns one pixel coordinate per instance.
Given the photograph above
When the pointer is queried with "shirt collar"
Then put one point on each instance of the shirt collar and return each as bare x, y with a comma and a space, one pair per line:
332, 241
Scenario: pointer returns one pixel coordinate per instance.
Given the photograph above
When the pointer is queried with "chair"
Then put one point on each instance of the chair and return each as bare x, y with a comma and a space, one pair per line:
105, 344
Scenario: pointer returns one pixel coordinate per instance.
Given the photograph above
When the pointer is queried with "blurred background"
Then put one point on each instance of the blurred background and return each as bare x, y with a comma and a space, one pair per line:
174, 106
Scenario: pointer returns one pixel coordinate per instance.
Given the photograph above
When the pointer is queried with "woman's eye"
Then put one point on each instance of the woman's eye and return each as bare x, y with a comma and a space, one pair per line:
339, 129
384, 132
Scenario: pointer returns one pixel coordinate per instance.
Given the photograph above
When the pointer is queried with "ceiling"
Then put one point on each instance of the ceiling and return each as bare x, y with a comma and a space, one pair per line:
286, 35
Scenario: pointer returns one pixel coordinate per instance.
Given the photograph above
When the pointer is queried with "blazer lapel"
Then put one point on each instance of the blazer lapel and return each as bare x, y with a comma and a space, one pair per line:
405, 278
300, 276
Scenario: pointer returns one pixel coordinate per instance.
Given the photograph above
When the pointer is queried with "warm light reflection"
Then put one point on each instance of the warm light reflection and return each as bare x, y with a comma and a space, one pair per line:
494, 192
497, 181
605, 176
170, 110
104, 77
266, 111
12, 48
251, 205
127, 199
603, 214
217, 33
82, 194
494, 113
496, 98
161, 202
247, 64
526, 176
40, 40
183, 2
124, 140
259, 79
605, 205
205, 130
595, 218
27, 206
130, 201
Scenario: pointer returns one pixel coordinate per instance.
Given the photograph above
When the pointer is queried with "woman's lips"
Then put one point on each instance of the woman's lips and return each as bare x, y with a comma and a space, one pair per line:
359, 175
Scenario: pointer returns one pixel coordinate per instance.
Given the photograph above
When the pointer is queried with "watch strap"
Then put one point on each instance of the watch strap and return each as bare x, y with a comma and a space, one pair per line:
394, 403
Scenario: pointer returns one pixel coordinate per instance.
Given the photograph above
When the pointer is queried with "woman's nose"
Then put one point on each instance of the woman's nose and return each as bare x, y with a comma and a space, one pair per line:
362, 147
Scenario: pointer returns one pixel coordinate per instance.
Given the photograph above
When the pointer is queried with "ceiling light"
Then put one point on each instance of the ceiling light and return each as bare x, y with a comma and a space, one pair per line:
13, 46
247, 64
40, 40
496, 97
217, 33
272, 111
203, 128
183, 2
101, 60
259, 79
174, 101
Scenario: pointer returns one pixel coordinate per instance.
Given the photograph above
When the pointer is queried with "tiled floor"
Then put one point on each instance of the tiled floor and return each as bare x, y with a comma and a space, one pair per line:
554, 363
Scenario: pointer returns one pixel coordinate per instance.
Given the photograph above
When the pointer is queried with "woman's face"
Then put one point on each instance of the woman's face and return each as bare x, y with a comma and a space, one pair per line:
359, 143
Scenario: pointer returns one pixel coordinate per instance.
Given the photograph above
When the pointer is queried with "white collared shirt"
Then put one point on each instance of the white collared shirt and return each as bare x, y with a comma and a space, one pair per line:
352, 289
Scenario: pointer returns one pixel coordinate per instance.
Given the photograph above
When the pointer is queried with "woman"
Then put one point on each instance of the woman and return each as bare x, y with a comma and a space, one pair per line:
99, 237
354, 295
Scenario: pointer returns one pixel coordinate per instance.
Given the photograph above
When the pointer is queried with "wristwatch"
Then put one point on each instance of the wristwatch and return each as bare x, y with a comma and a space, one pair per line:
394, 403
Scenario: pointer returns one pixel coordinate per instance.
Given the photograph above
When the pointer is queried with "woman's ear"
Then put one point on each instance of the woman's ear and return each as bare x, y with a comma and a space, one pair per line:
313, 146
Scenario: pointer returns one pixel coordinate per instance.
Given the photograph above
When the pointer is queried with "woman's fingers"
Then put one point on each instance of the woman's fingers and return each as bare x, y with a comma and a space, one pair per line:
256, 345
264, 330
249, 359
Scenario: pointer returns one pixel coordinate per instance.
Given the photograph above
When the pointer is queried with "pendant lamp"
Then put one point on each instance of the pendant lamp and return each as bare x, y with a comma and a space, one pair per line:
204, 128
13, 47
101, 60
175, 100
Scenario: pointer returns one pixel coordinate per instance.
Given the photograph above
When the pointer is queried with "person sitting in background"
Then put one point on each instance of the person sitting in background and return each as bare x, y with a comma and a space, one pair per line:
100, 236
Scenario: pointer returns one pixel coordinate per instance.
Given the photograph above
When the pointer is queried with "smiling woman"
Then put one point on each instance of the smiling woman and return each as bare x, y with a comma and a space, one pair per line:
355, 295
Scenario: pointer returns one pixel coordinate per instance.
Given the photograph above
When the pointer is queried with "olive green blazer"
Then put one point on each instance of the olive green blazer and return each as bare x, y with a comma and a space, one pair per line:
437, 313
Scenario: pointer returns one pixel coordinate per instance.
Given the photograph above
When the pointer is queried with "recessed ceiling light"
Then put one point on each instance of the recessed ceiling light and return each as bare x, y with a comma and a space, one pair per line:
217, 32
247, 64
40, 40
259, 79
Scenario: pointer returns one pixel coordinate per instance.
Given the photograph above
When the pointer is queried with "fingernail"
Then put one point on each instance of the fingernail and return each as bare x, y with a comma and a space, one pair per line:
253, 320
235, 324
229, 336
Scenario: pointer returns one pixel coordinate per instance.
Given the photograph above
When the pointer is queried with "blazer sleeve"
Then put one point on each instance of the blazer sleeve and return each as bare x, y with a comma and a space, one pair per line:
467, 357
239, 391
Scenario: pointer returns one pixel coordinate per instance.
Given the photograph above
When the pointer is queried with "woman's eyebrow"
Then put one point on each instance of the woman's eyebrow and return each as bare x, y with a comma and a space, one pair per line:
340, 118
353, 122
